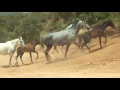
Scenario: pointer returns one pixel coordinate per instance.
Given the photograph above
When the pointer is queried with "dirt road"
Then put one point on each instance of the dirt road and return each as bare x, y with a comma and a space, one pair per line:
100, 63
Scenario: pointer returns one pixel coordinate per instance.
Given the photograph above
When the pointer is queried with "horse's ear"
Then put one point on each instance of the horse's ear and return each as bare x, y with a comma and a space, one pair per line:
20, 37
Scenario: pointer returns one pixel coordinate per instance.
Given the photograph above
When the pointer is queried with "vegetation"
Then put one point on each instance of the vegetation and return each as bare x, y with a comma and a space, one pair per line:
32, 24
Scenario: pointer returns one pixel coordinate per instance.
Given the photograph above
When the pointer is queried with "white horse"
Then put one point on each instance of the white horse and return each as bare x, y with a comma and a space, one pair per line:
9, 48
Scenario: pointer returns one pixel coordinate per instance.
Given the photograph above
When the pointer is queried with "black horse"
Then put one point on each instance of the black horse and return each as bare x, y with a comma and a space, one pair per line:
97, 31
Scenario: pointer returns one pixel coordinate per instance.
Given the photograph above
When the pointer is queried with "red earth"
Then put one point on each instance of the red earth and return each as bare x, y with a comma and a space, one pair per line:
100, 63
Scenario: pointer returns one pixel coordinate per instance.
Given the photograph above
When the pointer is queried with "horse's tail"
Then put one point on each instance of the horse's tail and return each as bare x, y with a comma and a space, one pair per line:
42, 44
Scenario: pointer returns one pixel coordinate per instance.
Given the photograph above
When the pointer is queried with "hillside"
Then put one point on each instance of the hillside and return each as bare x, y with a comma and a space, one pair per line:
100, 63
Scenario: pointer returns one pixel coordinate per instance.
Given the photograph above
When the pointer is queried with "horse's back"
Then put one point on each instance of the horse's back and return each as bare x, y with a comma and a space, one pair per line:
3, 49
28, 47
4, 45
46, 37
60, 38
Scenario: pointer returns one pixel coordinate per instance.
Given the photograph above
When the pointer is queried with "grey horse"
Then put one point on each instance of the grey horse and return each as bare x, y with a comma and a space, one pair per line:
78, 40
63, 37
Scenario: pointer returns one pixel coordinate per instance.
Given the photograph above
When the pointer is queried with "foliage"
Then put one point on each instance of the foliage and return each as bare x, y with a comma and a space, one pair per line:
32, 24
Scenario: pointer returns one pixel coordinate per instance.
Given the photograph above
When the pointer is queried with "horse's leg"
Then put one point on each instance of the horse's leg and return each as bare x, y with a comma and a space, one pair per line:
75, 43
67, 47
87, 47
105, 38
17, 56
31, 57
21, 57
62, 48
56, 49
79, 41
82, 45
100, 41
49, 46
36, 53
91, 41
86, 39
10, 60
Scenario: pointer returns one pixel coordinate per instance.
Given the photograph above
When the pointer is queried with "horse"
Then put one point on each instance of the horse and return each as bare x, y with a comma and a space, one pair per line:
29, 47
63, 37
78, 40
9, 48
55, 47
97, 31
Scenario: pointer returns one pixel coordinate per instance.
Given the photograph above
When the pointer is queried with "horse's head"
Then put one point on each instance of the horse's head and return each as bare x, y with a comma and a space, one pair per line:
21, 42
110, 23
80, 23
85, 25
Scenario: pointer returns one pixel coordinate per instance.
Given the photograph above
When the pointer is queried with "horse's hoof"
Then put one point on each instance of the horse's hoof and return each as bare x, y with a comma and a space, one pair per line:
65, 57
15, 64
23, 63
48, 62
105, 42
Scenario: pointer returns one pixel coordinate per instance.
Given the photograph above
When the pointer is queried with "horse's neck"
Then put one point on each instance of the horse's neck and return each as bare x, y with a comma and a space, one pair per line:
76, 29
14, 42
104, 26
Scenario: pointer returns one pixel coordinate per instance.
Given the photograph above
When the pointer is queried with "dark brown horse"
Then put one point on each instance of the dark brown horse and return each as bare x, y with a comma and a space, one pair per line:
98, 31
30, 47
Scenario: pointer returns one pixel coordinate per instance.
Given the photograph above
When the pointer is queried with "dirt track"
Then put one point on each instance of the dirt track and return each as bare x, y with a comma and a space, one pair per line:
100, 63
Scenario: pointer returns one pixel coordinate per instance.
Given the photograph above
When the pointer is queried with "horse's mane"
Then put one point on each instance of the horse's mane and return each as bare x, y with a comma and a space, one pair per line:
95, 26
74, 24
98, 24
13, 40
104, 23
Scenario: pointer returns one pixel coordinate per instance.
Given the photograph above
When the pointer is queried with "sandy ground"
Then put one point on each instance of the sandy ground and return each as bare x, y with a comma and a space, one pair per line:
100, 63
